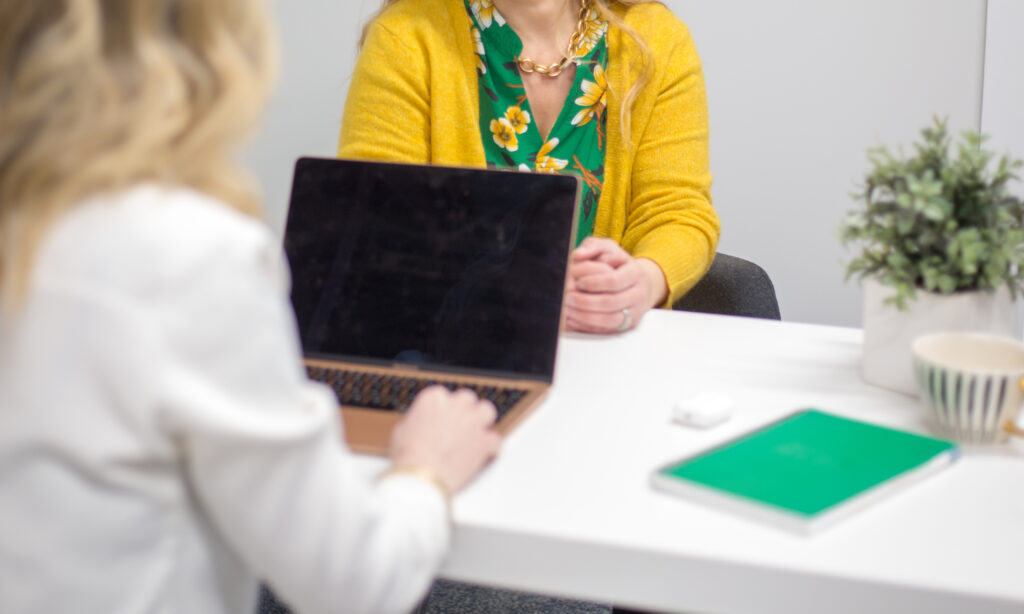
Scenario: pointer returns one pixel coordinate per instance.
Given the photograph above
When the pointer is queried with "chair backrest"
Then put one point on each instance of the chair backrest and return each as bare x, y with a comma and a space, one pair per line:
733, 286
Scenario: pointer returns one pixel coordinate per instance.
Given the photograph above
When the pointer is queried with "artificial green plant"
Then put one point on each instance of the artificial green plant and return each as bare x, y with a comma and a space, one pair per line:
939, 223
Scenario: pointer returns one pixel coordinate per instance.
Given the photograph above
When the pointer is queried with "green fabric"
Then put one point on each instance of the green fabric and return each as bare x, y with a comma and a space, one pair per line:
576, 143
810, 461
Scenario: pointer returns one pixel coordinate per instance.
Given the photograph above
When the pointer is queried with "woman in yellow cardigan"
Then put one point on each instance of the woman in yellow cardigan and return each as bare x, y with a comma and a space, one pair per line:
609, 89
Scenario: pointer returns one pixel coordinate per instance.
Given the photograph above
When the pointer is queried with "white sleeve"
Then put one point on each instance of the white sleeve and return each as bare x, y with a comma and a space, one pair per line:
263, 450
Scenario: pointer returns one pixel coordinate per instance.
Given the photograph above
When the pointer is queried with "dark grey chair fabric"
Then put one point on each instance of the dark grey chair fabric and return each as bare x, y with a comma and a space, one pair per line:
268, 603
734, 287
447, 597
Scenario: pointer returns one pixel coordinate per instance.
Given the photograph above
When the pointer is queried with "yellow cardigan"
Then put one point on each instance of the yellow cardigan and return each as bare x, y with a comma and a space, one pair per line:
413, 98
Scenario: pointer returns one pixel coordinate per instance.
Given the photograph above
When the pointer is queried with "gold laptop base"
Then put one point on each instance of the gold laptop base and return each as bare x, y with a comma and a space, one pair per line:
368, 430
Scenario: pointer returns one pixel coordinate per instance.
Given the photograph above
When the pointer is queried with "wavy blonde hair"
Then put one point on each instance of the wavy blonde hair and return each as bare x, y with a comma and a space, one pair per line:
97, 95
603, 8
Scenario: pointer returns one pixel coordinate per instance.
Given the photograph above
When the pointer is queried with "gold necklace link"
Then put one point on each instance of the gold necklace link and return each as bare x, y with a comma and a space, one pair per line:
571, 50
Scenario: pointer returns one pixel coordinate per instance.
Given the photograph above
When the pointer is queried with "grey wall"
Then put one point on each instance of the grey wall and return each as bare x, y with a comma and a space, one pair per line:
798, 90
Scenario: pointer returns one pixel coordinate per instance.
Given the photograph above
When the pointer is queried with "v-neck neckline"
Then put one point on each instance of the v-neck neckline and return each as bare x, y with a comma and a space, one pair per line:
510, 45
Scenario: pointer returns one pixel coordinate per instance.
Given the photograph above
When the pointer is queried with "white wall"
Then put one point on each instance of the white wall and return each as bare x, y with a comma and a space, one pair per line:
318, 49
798, 90
1003, 102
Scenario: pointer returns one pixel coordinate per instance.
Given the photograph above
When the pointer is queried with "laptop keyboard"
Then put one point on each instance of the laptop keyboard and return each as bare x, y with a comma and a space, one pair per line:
395, 393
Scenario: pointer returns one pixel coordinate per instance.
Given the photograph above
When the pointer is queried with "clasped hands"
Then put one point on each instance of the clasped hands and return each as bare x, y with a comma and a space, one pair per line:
609, 290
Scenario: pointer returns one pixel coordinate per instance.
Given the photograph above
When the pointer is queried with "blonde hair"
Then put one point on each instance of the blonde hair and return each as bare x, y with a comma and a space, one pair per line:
603, 8
97, 95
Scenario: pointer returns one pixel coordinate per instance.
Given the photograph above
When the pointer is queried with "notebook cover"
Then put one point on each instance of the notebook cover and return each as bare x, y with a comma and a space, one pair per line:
805, 468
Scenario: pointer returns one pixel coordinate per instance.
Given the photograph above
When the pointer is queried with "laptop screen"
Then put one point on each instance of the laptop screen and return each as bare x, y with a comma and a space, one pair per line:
460, 269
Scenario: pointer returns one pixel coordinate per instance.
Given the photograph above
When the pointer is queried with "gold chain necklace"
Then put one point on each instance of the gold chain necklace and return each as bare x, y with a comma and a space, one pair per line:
571, 50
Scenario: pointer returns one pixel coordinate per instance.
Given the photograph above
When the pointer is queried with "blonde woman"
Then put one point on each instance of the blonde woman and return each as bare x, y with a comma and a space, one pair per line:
611, 90
160, 447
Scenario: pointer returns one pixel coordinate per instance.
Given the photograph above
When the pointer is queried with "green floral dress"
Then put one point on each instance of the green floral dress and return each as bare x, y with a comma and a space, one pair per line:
576, 143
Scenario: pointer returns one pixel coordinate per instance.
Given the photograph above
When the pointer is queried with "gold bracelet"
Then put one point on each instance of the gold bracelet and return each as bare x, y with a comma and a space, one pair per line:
424, 474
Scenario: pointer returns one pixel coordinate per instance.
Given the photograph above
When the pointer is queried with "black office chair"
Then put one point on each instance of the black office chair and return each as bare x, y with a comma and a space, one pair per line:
734, 287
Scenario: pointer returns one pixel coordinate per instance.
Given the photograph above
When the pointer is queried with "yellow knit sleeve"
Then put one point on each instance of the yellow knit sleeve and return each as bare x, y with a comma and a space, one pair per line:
669, 218
387, 112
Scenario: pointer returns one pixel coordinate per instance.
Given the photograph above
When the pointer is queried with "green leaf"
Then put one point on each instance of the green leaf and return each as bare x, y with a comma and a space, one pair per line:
946, 284
939, 221
934, 211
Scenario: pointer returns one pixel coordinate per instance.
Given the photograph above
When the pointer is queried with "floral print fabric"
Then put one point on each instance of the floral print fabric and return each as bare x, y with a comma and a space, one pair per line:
576, 143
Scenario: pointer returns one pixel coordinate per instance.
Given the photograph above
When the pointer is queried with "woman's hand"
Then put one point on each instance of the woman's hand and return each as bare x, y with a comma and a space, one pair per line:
450, 434
609, 290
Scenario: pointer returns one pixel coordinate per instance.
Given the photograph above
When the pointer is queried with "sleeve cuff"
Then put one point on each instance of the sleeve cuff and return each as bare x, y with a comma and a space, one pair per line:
423, 500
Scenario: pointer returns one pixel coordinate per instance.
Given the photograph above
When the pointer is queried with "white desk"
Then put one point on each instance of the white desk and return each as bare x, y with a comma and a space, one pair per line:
566, 509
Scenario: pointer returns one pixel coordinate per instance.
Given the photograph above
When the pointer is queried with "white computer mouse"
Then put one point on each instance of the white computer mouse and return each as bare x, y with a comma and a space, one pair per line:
703, 410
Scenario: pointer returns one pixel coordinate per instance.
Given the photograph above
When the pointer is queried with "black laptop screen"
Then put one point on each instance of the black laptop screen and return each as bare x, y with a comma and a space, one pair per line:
413, 264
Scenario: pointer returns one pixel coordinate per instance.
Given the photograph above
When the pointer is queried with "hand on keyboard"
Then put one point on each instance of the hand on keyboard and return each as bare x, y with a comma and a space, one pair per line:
448, 433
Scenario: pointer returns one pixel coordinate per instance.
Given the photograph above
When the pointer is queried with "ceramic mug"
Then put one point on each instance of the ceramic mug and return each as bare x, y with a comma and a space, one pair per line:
972, 384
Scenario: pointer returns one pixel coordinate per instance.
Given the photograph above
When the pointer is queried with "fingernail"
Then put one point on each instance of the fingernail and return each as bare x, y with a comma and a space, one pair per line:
580, 284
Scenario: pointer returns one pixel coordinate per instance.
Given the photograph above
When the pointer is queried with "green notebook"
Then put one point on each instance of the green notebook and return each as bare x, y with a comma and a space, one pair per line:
807, 470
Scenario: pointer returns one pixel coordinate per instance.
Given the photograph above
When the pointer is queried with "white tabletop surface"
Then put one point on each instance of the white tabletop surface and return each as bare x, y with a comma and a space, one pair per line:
566, 509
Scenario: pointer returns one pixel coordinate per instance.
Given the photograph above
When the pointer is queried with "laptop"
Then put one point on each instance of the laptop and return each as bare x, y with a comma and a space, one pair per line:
404, 276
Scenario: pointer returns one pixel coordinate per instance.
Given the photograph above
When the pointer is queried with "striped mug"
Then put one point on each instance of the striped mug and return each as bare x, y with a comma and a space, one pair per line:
972, 384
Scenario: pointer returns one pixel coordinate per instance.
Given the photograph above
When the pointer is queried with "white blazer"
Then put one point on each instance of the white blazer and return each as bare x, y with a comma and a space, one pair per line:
160, 445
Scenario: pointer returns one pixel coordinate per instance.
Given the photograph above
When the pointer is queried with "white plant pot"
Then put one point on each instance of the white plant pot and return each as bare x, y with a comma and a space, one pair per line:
888, 332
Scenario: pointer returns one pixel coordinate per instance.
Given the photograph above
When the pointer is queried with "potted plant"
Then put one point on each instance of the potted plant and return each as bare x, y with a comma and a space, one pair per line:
942, 248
